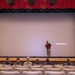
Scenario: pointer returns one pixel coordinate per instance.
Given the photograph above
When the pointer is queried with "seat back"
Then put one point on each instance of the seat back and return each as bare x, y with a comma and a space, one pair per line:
54, 73
10, 73
32, 73
71, 73
6, 68
21, 69
54, 69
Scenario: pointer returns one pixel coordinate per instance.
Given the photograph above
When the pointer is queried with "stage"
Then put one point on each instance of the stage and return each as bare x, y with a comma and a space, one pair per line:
54, 59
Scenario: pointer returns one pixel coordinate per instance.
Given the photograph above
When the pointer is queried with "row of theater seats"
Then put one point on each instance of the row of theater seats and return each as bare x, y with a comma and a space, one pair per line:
44, 69
35, 73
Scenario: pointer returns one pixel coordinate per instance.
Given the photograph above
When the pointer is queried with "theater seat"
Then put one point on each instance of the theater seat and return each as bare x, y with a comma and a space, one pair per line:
71, 73
6, 69
9, 73
32, 73
54, 73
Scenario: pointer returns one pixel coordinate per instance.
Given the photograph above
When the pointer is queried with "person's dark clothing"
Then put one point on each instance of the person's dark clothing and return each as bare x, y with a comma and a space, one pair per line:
68, 62
37, 63
17, 63
48, 45
8, 63
48, 62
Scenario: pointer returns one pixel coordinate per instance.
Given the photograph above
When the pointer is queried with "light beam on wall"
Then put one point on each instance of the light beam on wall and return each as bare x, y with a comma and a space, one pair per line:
61, 43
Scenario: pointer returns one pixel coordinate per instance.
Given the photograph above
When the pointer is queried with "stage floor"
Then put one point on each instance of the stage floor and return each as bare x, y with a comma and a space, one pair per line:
56, 59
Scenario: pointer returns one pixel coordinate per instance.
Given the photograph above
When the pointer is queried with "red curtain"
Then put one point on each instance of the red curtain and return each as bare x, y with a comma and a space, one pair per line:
60, 4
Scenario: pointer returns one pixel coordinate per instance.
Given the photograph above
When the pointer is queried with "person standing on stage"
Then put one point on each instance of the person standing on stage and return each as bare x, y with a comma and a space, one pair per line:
48, 48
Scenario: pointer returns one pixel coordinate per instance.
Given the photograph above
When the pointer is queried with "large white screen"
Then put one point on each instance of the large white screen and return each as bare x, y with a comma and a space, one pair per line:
26, 34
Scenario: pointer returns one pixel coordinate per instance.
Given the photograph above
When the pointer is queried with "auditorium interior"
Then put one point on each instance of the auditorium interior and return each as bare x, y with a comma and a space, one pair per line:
26, 25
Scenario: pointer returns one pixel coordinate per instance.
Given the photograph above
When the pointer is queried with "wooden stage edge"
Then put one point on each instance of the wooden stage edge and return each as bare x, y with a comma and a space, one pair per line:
56, 59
